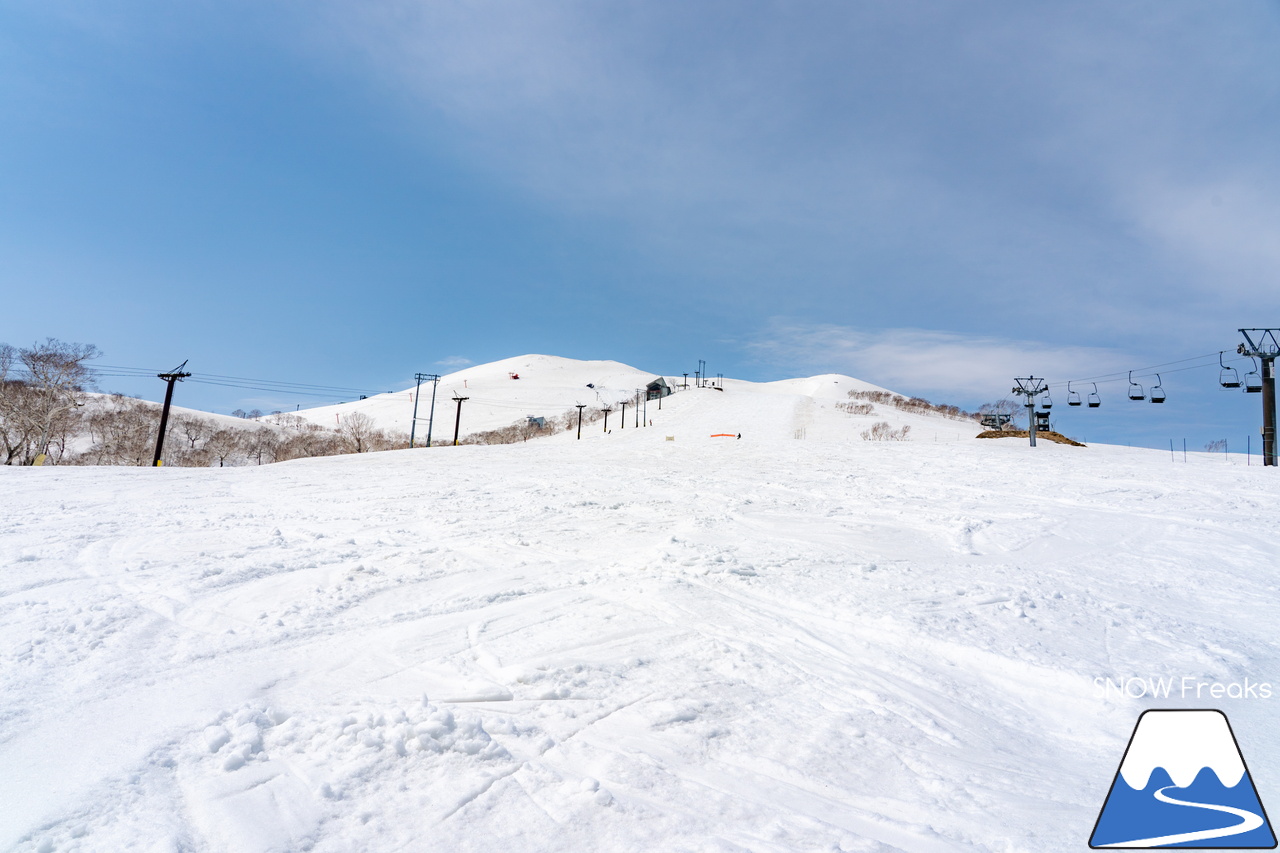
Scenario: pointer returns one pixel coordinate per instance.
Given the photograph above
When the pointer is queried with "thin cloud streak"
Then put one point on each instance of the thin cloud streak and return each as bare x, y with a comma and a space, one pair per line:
958, 368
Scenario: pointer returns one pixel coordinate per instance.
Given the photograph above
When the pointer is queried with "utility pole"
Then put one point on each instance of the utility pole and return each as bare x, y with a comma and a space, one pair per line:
637, 408
686, 382
645, 417
458, 421
1265, 348
1030, 387
623, 416
580, 406
606, 419
434, 377
175, 375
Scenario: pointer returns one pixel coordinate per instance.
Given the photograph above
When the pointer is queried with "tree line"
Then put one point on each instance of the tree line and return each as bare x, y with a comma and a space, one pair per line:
50, 415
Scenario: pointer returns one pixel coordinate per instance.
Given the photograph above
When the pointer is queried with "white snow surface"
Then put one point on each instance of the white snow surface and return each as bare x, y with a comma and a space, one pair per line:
622, 643
1183, 743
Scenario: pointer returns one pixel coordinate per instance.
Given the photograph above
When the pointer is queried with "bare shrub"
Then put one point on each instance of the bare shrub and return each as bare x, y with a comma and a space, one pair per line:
526, 429
918, 405
122, 431
882, 431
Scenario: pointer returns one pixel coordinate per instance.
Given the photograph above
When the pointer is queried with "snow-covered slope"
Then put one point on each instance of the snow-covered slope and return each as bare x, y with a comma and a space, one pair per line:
549, 386
622, 643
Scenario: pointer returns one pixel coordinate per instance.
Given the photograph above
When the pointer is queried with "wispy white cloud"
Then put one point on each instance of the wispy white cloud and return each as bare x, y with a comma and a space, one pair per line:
954, 367
455, 361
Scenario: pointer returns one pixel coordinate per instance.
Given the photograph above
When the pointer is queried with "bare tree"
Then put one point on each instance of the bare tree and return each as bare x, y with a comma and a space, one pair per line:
224, 444
15, 429
193, 429
358, 432
54, 377
261, 445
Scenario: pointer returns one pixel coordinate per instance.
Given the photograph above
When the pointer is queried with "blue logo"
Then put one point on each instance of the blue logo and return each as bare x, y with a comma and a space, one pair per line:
1183, 783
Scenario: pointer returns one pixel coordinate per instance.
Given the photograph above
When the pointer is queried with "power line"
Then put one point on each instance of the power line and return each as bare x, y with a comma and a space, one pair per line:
230, 381
1120, 376
291, 391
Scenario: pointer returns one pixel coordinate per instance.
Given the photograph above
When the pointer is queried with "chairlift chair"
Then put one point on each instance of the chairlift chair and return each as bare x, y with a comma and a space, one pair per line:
1094, 400
1253, 380
1048, 400
1157, 391
1073, 397
1227, 377
1136, 391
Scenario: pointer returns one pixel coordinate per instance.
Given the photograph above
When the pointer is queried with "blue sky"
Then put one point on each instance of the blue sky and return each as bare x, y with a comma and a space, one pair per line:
933, 197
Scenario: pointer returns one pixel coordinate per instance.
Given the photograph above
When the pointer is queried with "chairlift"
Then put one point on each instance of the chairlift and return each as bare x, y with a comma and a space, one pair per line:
1136, 391
1227, 377
1073, 397
1253, 380
1094, 400
1048, 400
1157, 391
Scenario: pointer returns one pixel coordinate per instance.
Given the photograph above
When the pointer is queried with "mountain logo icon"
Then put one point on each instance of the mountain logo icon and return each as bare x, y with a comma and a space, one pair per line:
1183, 783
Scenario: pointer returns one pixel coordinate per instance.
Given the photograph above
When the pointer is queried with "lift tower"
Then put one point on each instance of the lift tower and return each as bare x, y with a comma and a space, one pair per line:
1262, 345
1030, 387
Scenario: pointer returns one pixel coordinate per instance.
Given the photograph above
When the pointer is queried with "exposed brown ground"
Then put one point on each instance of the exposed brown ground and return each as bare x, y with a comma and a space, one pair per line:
1022, 433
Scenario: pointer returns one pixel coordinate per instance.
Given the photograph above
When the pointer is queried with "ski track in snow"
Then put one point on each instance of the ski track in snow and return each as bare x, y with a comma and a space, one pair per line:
618, 644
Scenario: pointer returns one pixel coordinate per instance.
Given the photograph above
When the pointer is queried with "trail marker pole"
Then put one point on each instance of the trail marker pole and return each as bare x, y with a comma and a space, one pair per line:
458, 421
606, 419
580, 406
623, 416
176, 375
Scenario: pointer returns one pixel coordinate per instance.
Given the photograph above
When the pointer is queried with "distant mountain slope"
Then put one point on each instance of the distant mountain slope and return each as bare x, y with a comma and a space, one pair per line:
549, 386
